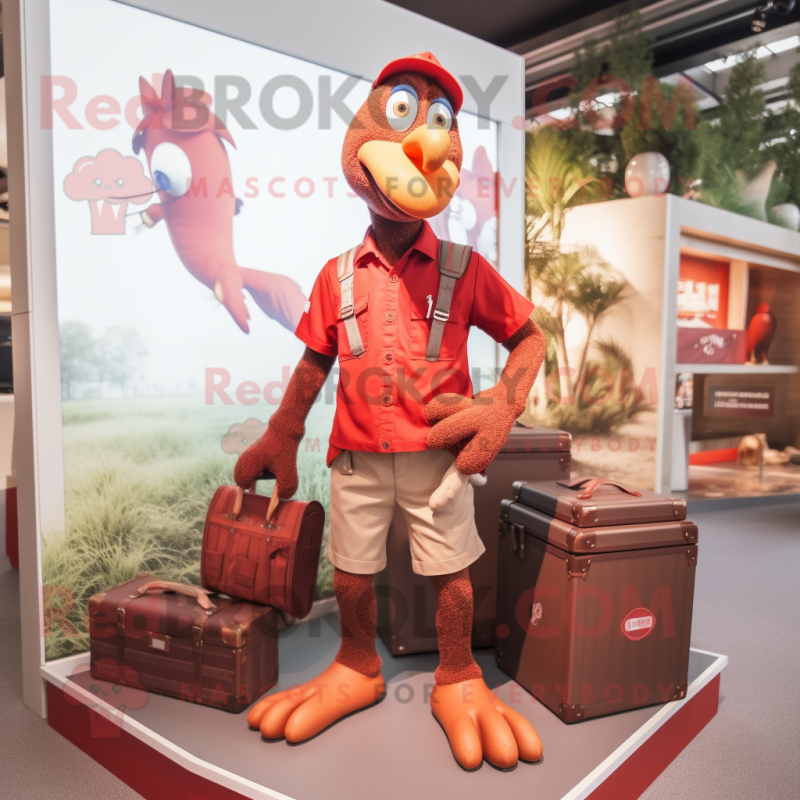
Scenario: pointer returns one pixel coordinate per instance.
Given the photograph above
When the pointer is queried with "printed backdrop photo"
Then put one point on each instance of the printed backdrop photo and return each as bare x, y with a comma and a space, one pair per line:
172, 361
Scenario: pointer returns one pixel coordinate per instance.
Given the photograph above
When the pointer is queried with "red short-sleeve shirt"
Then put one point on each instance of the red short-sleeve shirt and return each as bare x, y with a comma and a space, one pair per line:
381, 395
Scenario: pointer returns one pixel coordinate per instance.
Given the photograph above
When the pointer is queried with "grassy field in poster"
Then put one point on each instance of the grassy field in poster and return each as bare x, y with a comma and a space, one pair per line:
139, 474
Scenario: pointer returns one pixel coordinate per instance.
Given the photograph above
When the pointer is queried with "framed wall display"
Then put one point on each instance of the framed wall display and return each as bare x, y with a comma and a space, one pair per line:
703, 288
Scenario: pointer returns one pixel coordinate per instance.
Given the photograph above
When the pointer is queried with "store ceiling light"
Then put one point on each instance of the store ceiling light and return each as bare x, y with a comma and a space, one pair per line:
792, 43
783, 7
759, 22
772, 49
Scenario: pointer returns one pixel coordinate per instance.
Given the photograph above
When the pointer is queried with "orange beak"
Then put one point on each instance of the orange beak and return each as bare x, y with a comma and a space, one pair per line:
415, 174
427, 147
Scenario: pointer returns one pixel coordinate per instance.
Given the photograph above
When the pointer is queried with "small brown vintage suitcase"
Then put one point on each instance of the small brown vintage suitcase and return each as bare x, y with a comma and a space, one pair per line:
405, 600
596, 583
258, 553
178, 640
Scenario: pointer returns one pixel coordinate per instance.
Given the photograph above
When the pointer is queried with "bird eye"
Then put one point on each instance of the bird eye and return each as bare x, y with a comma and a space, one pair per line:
171, 169
440, 114
97, 182
119, 183
401, 108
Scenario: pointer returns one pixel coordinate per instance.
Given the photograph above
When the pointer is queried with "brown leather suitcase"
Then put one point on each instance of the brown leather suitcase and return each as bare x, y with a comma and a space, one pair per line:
596, 585
181, 641
262, 551
406, 612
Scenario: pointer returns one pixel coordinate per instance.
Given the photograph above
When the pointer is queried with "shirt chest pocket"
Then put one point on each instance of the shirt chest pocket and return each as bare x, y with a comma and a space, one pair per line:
360, 322
456, 328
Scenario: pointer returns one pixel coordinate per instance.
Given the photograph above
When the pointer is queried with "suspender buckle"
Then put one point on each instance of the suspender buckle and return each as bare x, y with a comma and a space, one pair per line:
347, 310
442, 316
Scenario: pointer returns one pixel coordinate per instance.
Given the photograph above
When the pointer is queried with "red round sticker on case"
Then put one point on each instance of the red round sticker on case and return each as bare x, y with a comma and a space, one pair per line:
638, 624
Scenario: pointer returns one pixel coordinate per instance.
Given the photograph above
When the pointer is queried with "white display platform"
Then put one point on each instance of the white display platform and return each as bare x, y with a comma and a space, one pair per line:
171, 749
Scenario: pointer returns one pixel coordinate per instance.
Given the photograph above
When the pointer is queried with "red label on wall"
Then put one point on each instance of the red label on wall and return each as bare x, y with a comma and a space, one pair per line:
638, 624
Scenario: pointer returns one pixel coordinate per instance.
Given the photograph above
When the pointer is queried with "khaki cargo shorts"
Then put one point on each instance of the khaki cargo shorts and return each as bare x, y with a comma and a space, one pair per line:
370, 492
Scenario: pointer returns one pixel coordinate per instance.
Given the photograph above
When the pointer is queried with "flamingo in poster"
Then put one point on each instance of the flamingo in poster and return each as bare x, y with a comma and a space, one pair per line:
183, 143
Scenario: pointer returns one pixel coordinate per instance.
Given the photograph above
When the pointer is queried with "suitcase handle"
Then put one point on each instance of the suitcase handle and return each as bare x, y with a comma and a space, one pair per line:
201, 595
273, 503
590, 484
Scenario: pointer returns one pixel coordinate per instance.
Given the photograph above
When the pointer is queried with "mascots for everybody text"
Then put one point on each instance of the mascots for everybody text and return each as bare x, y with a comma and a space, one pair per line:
396, 311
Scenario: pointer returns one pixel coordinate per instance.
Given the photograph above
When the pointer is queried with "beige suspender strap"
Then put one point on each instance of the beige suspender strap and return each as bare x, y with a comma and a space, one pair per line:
453, 260
345, 270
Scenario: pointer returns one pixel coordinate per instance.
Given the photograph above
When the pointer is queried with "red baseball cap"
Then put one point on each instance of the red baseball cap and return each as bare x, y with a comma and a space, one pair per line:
425, 64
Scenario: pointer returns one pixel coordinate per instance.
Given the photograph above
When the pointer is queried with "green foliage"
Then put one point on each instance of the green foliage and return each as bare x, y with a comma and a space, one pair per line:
741, 117
627, 55
721, 147
556, 178
606, 396
731, 137
115, 357
679, 143
548, 325
722, 191
78, 352
782, 137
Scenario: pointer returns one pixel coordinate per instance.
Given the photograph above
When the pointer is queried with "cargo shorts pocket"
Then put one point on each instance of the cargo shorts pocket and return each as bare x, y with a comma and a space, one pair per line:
344, 463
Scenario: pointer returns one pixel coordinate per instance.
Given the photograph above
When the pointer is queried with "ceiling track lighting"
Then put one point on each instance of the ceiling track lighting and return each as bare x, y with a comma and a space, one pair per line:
759, 22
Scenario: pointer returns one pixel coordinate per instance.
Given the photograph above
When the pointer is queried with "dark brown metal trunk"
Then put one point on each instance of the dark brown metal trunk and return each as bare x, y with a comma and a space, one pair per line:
595, 620
167, 643
406, 608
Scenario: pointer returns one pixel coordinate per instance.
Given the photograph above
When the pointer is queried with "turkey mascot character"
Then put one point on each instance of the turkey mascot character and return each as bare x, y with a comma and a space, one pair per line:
396, 310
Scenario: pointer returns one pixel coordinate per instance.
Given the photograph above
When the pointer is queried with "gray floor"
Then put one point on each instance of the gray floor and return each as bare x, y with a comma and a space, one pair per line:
35, 762
745, 607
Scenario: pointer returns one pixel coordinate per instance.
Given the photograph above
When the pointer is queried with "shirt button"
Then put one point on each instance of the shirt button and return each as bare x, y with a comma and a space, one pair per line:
388, 357
385, 445
393, 279
387, 399
389, 316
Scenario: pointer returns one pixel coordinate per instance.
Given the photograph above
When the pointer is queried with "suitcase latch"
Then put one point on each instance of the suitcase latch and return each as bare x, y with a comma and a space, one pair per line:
197, 639
581, 540
121, 620
584, 514
159, 641
519, 541
578, 568
571, 712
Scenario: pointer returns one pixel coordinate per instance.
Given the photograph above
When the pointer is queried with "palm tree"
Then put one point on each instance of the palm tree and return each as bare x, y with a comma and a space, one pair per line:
555, 181
557, 277
598, 291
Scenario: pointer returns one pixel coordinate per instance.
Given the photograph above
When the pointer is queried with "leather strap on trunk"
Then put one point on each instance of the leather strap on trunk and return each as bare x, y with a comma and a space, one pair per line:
453, 260
122, 605
197, 650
